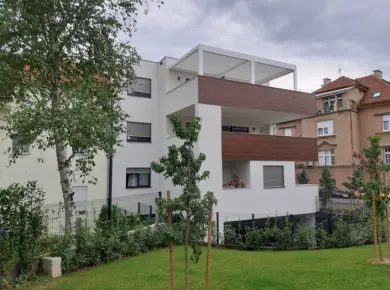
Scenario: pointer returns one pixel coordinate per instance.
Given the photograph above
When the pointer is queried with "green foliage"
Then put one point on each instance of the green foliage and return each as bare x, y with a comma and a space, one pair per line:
63, 69
355, 183
22, 228
106, 241
182, 167
327, 186
302, 177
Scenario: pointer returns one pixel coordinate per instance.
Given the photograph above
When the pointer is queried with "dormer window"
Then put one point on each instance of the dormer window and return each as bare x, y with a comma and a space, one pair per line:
376, 95
329, 103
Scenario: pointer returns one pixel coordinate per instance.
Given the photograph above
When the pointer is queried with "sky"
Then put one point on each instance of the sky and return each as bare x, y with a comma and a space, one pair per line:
318, 36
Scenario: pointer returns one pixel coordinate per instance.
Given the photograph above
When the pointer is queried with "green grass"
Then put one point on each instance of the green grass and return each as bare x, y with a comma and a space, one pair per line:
318, 269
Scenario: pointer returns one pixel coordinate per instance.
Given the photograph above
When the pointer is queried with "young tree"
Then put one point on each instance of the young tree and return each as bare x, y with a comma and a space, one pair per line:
302, 177
62, 70
375, 188
355, 183
328, 185
182, 167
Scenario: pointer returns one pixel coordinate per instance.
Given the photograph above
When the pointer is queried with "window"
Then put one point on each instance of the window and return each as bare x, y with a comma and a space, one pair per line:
287, 131
376, 95
325, 128
387, 155
141, 87
139, 132
326, 157
19, 148
339, 102
329, 103
137, 177
386, 122
235, 129
273, 176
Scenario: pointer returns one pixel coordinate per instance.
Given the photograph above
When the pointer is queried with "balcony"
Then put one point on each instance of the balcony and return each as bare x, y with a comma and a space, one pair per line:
237, 146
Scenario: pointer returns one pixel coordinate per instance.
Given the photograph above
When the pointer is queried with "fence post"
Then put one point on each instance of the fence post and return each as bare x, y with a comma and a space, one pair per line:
150, 212
330, 229
253, 220
139, 208
217, 218
159, 194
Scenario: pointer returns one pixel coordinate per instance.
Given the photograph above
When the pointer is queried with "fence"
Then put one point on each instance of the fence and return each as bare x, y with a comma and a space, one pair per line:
345, 205
141, 204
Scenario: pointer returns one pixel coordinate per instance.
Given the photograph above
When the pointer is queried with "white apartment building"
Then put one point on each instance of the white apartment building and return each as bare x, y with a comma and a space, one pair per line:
231, 93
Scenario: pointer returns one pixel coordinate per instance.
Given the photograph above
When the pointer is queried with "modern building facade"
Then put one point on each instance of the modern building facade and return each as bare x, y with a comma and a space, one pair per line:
231, 93
348, 111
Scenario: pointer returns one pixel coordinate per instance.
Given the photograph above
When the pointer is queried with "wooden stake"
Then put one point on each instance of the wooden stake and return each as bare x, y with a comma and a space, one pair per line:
374, 225
387, 233
171, 246
209, 239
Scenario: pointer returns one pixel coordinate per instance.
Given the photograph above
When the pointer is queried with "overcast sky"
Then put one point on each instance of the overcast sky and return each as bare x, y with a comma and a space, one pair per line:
317, 36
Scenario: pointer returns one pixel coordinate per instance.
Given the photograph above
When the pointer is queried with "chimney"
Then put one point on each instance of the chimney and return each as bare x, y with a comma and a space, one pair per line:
326, 81
378, 74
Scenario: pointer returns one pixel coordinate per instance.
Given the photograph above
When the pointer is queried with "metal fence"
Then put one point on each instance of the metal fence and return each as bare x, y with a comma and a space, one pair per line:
345, 205
141, 204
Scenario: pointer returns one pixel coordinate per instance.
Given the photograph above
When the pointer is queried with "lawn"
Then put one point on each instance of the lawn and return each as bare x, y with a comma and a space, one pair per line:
318, 269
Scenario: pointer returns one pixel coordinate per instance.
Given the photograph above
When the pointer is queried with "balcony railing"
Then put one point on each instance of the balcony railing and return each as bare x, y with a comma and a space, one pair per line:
344, 105
241, 146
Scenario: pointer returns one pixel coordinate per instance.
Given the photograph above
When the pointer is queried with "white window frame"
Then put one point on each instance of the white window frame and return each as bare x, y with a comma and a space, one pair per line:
287, 132
386, 123
386, 155
325, 128
326, 157
137, 173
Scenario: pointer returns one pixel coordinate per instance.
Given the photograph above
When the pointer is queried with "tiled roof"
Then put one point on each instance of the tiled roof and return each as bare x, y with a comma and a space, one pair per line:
368, 84
374, 85
341, 82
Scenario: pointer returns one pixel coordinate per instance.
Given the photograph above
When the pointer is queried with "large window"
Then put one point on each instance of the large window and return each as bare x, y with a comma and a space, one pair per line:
325, 128
140, 87
139, 132
273, 176
137, 177
386, 123
326, 157
235, 129
287, 131
17, 147
387, 155
329, 103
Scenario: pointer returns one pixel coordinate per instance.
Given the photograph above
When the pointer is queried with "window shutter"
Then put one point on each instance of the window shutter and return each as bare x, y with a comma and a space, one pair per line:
273, 176
137, 170
138, 129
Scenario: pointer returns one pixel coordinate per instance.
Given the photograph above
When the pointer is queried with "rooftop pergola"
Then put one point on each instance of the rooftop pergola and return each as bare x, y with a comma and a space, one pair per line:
222, 63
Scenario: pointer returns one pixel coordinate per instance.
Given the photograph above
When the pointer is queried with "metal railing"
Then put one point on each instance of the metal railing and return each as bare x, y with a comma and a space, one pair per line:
140, 204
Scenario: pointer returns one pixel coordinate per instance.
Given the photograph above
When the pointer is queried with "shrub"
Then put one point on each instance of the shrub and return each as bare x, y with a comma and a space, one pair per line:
22, 226
302, 238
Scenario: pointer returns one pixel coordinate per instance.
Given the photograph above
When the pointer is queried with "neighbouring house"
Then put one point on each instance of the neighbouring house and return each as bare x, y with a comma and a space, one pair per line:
252, 170
348, 111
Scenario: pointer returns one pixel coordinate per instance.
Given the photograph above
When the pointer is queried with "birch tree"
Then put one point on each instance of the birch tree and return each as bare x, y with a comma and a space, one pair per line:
62, 71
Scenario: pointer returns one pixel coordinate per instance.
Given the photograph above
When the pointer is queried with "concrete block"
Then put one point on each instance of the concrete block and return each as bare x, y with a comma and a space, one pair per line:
51, 266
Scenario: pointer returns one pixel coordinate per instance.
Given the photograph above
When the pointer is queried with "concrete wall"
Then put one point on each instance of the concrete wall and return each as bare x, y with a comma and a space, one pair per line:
28, 169
133, 154
294, 199
239, 168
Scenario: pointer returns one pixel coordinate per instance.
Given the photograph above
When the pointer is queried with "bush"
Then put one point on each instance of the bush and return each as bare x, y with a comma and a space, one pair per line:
22, 228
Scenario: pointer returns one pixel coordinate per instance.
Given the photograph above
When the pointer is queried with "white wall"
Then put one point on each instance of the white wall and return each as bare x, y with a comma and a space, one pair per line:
294, 199
255, 127
181, 97
134, 154
210, 143
46, 174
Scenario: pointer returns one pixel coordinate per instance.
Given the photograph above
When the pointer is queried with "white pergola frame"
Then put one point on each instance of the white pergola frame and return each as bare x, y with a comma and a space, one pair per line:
201, 49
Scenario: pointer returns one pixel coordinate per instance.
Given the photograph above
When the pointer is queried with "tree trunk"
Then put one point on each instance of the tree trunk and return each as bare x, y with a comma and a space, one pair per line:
64, 170
379, 241
187, 234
